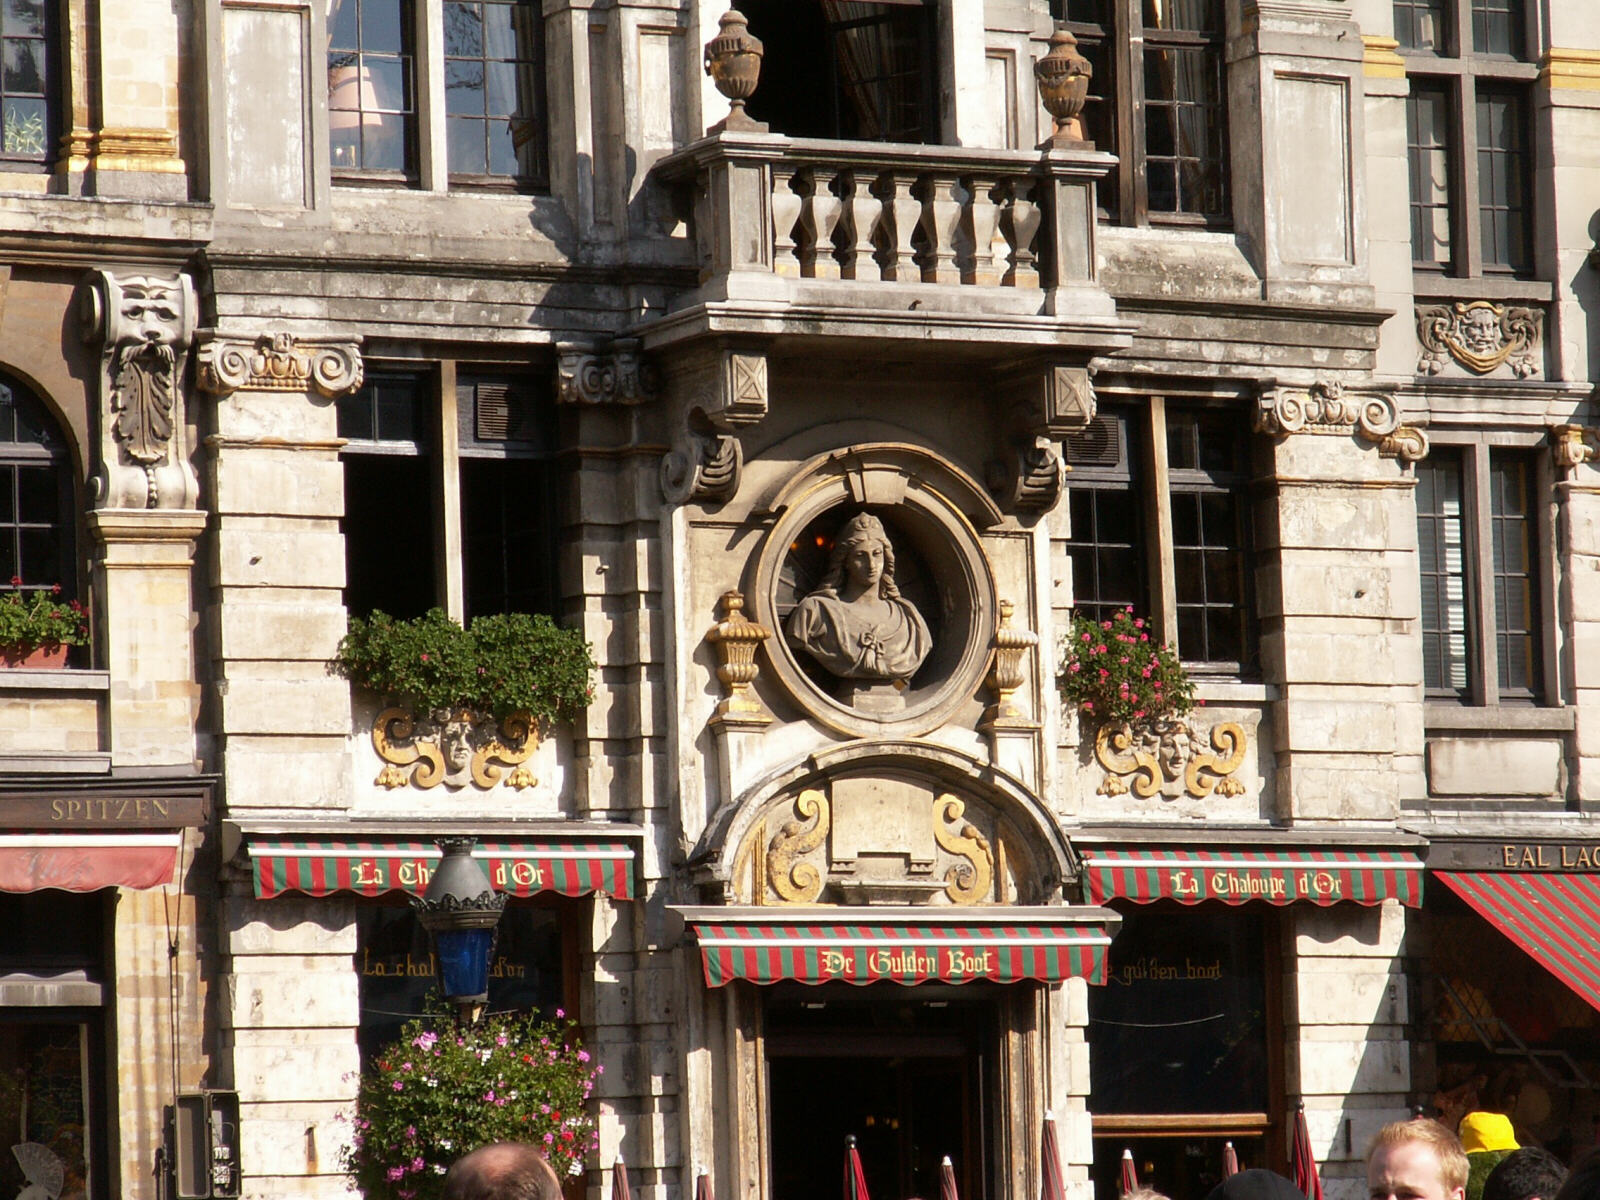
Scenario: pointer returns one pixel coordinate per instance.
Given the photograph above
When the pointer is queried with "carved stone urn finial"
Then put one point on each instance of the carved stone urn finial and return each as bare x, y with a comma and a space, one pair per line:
1063, 79
733, 60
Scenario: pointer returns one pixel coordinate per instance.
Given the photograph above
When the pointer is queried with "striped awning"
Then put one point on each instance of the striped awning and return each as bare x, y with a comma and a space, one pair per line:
320, 868
1555, 918
865, 946
1235, 876
86, 862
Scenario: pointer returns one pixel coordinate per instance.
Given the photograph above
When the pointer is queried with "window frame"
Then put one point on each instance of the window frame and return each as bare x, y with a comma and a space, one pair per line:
54, 69
1462, 73
1124, 41
1483, 682
1150, 481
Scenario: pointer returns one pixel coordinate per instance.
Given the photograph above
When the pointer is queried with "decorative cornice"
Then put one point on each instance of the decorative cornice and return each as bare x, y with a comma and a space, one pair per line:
279, 362
1378, 58
1567, 69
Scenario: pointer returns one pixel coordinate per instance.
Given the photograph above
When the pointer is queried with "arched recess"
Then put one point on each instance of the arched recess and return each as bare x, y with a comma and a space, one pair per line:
38, 491
886, 822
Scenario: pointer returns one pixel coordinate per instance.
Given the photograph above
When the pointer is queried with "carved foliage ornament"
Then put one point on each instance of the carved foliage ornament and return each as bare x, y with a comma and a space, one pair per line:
279, 362
1166, 758
144, 324
455, 747
1327, 408
1479, 336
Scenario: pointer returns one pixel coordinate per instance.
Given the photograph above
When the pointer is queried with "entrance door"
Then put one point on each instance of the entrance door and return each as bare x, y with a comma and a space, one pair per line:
904, 1071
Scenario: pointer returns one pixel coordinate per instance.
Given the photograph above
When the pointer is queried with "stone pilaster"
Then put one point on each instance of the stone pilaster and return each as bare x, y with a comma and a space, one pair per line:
132, 149
1578, 607
277, 491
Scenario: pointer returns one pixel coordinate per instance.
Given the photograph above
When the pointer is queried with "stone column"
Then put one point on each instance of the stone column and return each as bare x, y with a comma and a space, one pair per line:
145, 518
277, 611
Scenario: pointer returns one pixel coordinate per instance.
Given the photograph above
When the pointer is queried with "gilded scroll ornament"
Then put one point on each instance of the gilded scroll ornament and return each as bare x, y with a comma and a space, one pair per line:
454, 747
971, 882
795, 881
1165, 758
1479, 336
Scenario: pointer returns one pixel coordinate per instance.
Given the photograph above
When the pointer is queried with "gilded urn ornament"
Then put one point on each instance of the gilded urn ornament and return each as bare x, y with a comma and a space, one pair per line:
733, 60
1063, 79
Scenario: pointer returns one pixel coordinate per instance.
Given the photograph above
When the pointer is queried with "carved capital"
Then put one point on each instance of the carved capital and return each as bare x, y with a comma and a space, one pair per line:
704, 468
1407, 443
143, 324
1478, 336
1328, 408
1574, 445
279, 362
615, 373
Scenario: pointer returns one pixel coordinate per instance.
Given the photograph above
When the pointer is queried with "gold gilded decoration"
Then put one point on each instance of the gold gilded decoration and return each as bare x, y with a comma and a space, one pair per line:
454, 747
1480, 336
1574, 445
971, 883
1165, 758
735, 639
1407, 443
1008, 668
1379, 59
799, 882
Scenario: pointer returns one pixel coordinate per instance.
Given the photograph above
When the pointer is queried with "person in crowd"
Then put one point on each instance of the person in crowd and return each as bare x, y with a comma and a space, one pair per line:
1529, 1173
1256, 1184
1584, 1181
1416, 1160
502, 1171
1487, 1137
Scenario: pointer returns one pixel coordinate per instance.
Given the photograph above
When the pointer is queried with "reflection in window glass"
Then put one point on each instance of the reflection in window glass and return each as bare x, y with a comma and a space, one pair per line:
1512, 520
1208, 537
1183, 120
1428, 152
1497, 27
36, 516
45, 1106
1419, 24
1503, 170
494, 88
26, 131
371, 103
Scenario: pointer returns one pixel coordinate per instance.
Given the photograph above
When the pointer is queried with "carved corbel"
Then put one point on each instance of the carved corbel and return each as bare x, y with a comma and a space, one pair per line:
1574, 445
1328, 408
1047, 404
614, 372
723, 394
279, 362
144, 324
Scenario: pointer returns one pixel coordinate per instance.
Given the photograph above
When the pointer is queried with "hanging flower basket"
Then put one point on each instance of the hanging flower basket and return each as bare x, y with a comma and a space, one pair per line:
1115, 672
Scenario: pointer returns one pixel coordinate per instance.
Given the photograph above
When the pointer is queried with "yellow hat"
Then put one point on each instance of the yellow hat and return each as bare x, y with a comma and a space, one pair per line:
1487, 1131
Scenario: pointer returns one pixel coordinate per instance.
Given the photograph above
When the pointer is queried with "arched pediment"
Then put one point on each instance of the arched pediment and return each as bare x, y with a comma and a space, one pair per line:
886, 822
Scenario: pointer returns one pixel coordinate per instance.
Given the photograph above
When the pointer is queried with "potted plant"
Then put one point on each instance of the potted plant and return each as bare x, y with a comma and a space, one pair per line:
1115, 673
442, 1090
36, 628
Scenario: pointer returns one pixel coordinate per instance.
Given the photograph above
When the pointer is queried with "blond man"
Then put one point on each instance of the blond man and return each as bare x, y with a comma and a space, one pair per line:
1416, 1160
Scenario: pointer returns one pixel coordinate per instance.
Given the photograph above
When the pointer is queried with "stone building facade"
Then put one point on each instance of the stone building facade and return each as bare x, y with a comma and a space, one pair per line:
314, 308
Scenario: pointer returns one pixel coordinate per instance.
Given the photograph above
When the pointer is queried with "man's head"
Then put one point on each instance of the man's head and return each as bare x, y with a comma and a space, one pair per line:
502, 1171
1526, 1174
1584, 1182
1416, 1160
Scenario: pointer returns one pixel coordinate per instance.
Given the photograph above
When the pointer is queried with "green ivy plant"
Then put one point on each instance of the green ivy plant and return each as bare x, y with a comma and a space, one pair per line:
1115, 672
31, 618
500, 664
442, 1090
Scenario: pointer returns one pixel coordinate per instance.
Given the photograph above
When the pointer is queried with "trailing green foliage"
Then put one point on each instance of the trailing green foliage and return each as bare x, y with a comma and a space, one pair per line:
33, 618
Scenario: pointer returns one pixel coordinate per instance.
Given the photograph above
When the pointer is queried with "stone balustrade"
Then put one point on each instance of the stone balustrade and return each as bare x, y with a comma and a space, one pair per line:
870, 212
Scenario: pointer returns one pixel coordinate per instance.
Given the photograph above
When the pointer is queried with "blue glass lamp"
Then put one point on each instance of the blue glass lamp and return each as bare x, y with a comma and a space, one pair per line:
460, 910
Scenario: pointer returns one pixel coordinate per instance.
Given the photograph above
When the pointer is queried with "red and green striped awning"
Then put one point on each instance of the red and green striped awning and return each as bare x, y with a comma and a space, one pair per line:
1235, 876
1555, 918
320, 868
821, 946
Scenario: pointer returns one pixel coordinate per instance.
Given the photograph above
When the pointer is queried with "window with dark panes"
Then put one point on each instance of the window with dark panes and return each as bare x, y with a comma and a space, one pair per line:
1181, 1047
372, 87
1469, 134
1478, 546
1161, 91
862, 70
1159, 504
36, 496
28, 108
485, 458
494, 89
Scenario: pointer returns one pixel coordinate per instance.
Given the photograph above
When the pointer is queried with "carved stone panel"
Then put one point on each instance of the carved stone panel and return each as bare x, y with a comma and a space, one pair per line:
279, 362
1169, 759
457, 748
1478, 337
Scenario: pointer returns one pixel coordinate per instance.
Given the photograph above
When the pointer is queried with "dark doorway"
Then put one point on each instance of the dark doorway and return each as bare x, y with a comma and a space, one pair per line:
905, 1074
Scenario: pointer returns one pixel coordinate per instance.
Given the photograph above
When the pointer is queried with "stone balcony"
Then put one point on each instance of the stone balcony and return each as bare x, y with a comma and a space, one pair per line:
970, 253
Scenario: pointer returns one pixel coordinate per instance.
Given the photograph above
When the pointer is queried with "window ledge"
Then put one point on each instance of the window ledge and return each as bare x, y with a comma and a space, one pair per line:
1427, 286
1496, 719
27, 679
1226, 691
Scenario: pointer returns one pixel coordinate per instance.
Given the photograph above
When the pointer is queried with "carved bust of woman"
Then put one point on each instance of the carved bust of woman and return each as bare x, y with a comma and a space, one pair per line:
857, 625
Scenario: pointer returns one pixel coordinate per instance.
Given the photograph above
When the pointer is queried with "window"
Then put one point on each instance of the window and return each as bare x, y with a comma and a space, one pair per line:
847, 69
1478, 533
493, 493
1468, 134
36, 498
1159, 102
1160, 517
1182, 1047
488, 78
28, 116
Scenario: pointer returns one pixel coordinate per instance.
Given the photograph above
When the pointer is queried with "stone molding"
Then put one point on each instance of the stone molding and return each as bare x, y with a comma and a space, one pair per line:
1326, 408
144, 325
723, 393
279, 362
616, 373
1570, 69
1380, 58
1479, 336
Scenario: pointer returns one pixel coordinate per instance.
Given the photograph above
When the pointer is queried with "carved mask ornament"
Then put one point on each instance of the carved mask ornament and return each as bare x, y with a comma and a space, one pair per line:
1480, 336
1167, 758
455, 747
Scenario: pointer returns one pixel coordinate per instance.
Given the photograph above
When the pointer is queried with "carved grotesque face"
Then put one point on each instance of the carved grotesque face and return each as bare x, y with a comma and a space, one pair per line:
455, 743
863, 563
1480, 331
152, 309
1174, 750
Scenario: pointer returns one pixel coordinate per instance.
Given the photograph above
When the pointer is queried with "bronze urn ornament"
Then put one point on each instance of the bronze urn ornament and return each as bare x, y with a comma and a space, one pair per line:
733, 60
1063, 79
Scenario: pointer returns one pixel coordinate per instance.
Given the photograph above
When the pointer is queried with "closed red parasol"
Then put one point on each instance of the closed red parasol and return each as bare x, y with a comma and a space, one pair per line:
855, 1179
1305, 1163
1053, 1185
619, 1181
1130, 1176
947, 1180
1230, 1160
